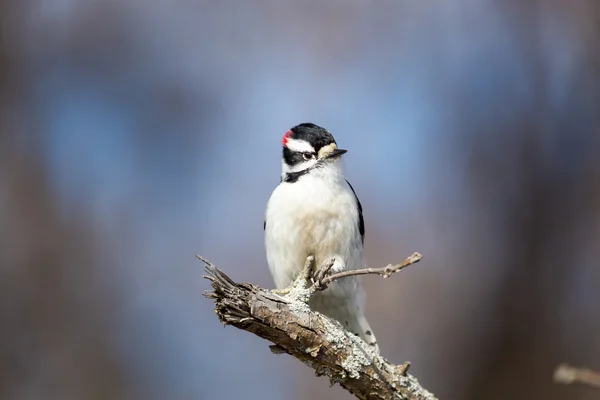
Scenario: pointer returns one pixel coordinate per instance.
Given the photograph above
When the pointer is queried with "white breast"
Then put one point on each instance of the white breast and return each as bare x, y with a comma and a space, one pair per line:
317, 215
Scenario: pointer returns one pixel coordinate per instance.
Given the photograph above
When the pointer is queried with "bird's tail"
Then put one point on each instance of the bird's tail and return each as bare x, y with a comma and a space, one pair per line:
360, 326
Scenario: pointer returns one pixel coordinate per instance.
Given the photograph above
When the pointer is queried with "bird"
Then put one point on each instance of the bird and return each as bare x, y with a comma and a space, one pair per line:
314, 211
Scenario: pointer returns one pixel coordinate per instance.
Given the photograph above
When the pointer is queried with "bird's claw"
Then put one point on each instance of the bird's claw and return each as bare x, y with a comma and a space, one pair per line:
307, 276
304, 278
322, 271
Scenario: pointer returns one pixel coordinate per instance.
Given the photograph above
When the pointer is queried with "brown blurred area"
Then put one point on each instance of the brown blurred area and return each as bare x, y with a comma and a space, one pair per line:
509, 221
55, 322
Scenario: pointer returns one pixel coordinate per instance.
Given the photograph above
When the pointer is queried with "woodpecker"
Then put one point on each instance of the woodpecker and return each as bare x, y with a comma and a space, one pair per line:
315, 211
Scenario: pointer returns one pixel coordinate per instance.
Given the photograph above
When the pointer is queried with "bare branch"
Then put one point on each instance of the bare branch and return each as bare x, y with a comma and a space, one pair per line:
322, 281
567, 374
316, 340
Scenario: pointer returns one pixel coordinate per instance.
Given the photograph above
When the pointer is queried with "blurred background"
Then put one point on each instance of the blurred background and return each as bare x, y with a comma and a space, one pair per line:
136, 133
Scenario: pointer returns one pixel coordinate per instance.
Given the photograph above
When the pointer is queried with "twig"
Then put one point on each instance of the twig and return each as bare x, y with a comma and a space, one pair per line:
322, 283
313, 338
567, 374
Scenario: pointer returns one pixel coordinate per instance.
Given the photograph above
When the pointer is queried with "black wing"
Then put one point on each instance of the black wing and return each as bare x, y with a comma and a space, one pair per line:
361, 221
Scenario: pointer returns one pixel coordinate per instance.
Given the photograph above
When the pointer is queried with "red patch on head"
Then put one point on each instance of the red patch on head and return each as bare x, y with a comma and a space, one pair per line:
287, 135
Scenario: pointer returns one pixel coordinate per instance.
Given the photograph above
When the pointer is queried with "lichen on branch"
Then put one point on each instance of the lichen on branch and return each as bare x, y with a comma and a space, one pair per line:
313, 338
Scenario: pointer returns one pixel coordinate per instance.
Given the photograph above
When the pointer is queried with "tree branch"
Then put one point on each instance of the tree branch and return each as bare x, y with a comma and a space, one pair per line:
316, 340
322, 282
567, 374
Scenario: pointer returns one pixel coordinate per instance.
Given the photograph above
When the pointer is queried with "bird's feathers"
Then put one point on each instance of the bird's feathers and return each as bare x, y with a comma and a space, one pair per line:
315, 211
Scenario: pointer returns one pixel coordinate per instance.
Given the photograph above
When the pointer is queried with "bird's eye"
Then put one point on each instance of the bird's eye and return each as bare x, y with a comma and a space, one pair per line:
308, 156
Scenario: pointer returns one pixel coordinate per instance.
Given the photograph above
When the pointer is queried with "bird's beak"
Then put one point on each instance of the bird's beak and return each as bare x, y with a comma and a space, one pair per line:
336, 153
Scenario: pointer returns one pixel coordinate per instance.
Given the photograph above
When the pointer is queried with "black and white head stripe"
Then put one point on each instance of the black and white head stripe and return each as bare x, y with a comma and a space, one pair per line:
307, 147
305, 142
297, 138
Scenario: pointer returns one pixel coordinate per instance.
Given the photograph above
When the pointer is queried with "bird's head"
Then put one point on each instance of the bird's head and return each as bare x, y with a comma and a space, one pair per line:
309, 148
